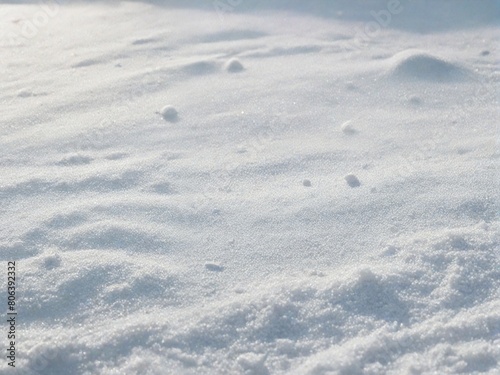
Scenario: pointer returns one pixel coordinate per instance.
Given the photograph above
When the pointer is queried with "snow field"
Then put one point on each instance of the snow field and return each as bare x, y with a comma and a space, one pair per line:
185, 194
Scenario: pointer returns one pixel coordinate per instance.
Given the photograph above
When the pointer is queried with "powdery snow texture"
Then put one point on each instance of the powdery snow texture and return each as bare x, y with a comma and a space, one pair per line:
176, 187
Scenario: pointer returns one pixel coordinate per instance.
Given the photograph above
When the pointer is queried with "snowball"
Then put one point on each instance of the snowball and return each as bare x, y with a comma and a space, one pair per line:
348, 128
234, 66
169, 113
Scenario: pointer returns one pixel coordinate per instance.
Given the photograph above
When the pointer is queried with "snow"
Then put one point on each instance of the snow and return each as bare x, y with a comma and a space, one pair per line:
234, 66
422, 66
169, 113
177, 186
348, 128
307, 183
352, 180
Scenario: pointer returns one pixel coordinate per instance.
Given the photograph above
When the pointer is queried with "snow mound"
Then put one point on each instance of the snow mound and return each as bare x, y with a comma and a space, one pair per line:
430, 303
234, 66
421, 66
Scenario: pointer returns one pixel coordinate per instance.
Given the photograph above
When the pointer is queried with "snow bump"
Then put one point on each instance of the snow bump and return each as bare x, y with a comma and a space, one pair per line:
348, 128
169, 113
352, 180
421, 66
234, 66
214, 267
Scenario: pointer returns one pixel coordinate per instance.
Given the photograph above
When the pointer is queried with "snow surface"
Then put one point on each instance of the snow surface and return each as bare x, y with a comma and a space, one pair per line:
225, 237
